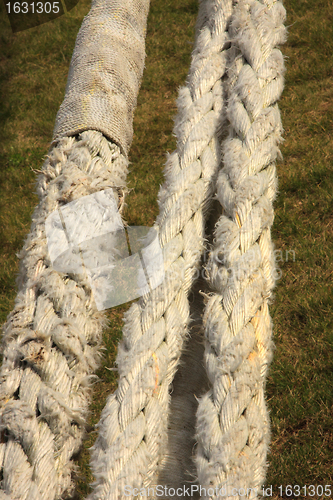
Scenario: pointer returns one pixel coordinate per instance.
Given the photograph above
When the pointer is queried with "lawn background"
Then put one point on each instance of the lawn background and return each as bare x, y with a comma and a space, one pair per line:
33, 73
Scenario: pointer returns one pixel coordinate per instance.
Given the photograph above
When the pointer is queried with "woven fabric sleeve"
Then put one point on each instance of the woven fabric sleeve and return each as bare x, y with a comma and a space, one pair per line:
105, 72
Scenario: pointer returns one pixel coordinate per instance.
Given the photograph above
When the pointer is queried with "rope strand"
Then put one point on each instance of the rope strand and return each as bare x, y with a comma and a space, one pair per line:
52, 337
132, 438
232, 419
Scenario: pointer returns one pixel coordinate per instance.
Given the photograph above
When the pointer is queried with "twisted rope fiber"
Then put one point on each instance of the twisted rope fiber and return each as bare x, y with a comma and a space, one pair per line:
132, 438
52, 337
232, 419
131, 445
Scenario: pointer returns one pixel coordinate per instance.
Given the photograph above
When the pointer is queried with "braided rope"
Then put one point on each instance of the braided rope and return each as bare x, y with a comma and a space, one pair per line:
52, 337
232, 419
133, 427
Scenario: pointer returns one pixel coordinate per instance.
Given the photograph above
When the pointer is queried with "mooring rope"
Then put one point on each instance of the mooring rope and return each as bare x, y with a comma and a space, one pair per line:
232, 419
133, 427
52, 338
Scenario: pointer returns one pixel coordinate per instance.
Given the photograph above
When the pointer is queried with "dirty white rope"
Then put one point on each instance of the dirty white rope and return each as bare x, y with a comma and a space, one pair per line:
232, 419
132, 440
52, 337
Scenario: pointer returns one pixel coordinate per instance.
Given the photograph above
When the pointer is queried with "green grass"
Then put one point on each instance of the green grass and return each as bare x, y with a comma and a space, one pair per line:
33, 73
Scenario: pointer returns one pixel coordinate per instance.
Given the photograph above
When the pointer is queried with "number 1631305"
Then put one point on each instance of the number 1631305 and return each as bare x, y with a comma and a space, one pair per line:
305, 491
33, 7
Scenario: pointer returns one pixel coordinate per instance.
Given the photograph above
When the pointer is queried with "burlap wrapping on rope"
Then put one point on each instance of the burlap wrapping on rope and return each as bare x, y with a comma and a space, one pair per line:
105, 72
52, 337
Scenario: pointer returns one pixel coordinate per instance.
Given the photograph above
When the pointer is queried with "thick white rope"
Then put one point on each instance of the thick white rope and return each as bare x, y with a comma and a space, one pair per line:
52, 337
132, 440
232, 419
